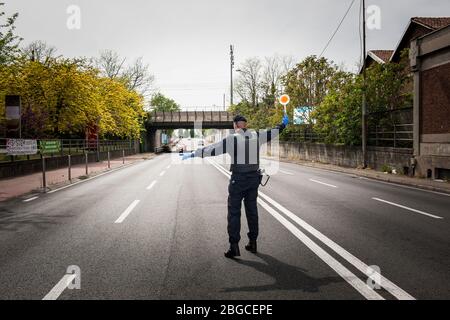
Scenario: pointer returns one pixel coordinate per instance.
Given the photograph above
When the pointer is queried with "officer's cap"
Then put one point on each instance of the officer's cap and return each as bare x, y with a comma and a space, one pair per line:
239, 118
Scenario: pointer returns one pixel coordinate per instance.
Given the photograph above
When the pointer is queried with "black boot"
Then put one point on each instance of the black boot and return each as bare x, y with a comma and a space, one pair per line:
233, 252
252, 247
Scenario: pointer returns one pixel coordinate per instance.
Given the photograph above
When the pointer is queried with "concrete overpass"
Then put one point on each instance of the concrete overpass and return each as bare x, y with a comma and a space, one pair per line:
159, 121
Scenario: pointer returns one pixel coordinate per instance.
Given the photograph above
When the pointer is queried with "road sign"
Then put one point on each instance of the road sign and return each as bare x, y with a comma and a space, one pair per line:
284, 99
302, 115
49, 146
12, 115
20, 147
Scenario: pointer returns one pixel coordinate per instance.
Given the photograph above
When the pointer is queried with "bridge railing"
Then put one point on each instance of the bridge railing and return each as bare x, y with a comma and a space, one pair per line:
191, 116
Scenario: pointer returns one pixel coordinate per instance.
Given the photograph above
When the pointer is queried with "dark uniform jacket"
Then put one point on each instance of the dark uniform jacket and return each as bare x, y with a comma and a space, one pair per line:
243, 148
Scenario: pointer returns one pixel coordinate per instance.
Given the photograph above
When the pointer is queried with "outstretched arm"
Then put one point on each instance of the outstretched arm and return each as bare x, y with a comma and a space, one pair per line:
212, 150
267, 135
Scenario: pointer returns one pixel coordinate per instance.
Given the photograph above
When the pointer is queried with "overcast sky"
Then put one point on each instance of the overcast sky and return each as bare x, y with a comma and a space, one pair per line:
186, 42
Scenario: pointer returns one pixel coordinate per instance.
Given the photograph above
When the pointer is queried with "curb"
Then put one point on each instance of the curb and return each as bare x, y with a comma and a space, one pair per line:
377, 177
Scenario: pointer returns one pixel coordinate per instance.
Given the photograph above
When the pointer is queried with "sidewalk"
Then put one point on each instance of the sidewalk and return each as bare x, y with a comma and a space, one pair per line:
14, 187
427, 184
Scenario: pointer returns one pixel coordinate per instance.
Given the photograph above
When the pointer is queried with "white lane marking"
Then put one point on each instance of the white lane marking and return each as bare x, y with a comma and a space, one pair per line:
323, 183
286, 172
30, 199
361, 266
408, 187
151, 185
346, 274
125, 214
60, 287
407, 208
372, 179
392, 288
168, 167
162, 173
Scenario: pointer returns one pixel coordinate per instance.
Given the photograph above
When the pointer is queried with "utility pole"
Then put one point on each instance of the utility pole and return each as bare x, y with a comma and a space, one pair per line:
364, 99
231, 73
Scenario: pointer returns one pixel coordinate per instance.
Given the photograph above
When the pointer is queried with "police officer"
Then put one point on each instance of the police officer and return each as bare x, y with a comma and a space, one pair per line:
243, 148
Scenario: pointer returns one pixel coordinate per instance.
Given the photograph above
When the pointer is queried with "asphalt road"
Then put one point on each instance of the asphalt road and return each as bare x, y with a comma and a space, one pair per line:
157, 230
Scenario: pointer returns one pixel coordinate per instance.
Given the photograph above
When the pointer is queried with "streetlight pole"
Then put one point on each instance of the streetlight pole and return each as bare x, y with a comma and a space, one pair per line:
231, 73
364, 99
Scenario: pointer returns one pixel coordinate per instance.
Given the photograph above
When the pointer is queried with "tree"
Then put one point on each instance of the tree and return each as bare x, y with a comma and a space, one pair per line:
309, 82
274, 69
136, 76
67, 96
249, 83
339, 115
39, 51
110, 64
9, 42
159, 103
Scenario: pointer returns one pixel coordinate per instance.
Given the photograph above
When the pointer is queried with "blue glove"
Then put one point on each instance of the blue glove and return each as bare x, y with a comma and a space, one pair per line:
186, 156
285, 120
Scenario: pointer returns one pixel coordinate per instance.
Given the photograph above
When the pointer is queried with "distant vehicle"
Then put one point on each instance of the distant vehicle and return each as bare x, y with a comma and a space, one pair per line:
181, 147
201, 143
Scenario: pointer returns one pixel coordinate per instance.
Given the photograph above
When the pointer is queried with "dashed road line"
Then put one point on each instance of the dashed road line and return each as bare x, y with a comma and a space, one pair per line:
408, 208
152, 185
125, 214
286, 172
323, 183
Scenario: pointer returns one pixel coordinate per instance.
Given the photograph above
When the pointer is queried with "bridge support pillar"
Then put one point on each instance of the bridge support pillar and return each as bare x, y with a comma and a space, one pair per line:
152, 139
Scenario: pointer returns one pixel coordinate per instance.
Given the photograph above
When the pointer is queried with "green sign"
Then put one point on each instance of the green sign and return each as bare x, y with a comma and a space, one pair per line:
50, 146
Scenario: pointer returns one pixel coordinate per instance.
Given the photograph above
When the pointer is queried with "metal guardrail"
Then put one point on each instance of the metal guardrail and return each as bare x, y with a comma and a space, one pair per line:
396, 136
71, 147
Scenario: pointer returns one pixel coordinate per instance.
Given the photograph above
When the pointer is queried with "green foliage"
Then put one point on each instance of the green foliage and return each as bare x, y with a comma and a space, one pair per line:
159, 103
258, 117
9, 42
338, 117
66, 96
388, 86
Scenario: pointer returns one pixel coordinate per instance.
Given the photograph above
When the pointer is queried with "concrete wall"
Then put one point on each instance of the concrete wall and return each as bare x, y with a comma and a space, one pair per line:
346, 156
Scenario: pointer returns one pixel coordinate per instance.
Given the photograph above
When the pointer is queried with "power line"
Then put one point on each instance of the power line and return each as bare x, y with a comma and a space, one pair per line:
337, 29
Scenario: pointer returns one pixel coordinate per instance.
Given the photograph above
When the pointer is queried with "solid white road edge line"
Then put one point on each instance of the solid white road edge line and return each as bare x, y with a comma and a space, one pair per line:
30, 199
162, 173
125, 214
59, 287
346, 274
407, 208
286, 172
94, 177
393, 289
152, 185
323, 183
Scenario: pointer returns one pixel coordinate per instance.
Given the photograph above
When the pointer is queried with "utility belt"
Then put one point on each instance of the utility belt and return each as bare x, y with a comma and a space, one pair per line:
260, 173
263, 175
